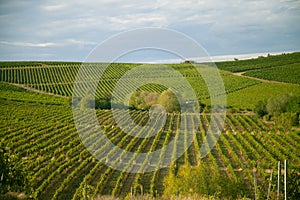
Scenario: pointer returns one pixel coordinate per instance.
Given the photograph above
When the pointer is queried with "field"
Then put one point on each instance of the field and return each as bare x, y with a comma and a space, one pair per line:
37, 123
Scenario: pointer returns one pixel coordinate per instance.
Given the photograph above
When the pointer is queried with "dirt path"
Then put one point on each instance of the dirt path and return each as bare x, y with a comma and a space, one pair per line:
36, 90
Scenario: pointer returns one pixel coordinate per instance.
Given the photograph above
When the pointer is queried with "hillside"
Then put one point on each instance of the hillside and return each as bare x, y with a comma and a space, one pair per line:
39, 127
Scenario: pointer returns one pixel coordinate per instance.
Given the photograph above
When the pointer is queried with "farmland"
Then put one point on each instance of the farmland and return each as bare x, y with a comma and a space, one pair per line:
39, 127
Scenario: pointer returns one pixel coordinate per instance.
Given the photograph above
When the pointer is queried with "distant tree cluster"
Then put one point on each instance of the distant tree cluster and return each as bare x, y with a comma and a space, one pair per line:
284, 109
139, 100
188, 62
143, 100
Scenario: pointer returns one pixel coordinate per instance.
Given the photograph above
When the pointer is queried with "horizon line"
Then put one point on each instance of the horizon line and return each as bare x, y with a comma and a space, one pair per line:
216, 58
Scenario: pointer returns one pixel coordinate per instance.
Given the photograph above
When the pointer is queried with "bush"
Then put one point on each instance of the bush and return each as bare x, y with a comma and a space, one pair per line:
143, 100
261, 108
13, 177
204, 180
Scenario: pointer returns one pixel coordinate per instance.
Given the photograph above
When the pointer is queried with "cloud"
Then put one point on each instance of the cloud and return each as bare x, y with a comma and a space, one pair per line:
80, 42
28, 44
136, 21
54, 7
222, 27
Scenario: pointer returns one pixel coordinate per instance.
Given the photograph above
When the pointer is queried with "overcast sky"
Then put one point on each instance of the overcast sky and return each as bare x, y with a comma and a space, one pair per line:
70, 30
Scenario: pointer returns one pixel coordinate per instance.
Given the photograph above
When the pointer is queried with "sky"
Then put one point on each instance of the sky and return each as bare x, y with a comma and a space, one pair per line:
70, 30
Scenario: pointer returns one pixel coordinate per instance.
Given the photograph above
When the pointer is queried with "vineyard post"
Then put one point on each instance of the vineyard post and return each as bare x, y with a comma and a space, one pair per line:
278, 181
1, 181
254, 175
285, 179
85, 193
270, 183
142, 188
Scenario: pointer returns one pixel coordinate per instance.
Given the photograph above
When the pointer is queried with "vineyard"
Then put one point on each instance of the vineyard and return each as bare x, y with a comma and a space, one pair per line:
40, 128
46, 139
286, 73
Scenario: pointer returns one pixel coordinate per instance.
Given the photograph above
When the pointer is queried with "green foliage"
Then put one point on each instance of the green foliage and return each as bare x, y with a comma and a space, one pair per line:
169, 101
13, 177
143, 100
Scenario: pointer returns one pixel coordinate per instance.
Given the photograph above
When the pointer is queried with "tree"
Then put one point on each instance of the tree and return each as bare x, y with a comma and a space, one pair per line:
13, 176
103, 103
277, 105
169, 101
